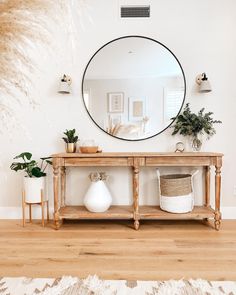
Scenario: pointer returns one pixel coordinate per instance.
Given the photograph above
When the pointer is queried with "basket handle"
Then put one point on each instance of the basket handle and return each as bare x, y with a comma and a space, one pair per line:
193, 173
158, 178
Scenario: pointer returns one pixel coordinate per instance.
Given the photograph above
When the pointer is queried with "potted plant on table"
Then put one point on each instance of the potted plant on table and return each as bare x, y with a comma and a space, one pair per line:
70, 140
34, 180
195, 126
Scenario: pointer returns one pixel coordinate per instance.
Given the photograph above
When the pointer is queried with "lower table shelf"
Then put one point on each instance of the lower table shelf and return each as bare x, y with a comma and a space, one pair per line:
155, 212
127, 212
80, 212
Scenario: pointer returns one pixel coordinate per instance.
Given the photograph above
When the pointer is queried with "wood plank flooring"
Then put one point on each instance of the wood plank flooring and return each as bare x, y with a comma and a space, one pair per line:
114, 250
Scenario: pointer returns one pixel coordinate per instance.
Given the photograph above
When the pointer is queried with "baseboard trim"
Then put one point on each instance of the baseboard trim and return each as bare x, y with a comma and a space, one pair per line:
228, 212
16, 212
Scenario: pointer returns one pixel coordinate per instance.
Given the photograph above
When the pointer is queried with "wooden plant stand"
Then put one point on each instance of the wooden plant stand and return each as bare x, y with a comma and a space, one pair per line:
136, 161
42, 203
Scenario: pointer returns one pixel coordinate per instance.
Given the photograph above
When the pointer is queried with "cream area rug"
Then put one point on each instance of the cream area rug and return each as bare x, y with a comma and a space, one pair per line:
92, 285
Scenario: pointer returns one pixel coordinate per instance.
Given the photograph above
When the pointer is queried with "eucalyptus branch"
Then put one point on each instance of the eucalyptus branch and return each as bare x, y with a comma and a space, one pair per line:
191, 124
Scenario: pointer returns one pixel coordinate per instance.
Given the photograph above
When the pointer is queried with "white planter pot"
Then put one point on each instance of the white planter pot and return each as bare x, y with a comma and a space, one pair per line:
32, 188
98, 197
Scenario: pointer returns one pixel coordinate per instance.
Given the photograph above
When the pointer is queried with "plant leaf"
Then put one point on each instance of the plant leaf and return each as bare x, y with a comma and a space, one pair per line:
24, 155
18, 166
36, 172
65, 139
45, 158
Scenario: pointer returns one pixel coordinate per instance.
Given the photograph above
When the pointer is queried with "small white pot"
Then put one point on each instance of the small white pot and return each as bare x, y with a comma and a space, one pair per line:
32, 188
98, 197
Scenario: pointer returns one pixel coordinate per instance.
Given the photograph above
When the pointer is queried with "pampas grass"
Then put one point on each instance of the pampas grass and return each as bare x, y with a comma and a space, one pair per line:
25, 24
22, 24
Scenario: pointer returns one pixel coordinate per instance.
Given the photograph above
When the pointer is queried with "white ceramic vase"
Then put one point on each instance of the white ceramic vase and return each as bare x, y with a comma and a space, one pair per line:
33, 187
98, 197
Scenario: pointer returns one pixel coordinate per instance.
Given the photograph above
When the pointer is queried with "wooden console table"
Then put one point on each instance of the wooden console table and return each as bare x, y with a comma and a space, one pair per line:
135, 161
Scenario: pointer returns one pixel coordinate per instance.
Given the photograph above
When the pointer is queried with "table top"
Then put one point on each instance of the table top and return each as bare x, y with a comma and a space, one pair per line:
136, 154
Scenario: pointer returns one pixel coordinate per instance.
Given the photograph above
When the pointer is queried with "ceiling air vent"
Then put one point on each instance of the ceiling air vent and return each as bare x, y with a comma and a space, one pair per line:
134, 11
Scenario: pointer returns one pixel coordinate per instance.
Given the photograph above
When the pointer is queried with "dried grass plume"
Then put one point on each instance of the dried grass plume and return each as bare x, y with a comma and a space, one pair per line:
22, 24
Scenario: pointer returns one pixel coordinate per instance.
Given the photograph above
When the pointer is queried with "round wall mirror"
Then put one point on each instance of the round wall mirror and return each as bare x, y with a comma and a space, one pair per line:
133, 87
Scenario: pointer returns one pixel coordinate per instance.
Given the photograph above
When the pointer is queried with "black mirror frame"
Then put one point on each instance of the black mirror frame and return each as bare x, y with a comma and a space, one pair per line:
130, 36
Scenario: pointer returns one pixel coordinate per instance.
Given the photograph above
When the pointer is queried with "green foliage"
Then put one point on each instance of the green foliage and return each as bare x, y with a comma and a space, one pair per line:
191, 124
30, 166
71, 137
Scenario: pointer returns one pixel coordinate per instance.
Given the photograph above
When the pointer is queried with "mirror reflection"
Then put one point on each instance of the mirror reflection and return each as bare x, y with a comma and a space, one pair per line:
133, 87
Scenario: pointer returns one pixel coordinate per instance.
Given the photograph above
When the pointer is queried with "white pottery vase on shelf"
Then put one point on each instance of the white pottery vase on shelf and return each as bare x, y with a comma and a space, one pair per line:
32, 188
98, 198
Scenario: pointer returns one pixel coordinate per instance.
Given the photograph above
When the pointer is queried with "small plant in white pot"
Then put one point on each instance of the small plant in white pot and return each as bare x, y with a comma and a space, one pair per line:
34, 180
70, 140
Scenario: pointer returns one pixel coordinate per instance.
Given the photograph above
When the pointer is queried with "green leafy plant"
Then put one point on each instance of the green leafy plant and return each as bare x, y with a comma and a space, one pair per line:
71, 137
31, 166
191, 124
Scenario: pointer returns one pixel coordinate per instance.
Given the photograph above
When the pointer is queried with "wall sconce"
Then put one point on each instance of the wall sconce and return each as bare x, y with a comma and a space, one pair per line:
65, 85
204, 84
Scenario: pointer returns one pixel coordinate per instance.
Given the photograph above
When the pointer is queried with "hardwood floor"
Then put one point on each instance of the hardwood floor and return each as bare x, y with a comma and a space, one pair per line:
114, 250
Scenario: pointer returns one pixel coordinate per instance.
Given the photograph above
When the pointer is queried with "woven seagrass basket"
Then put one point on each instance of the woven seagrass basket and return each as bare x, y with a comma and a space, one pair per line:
176, 192
176, 184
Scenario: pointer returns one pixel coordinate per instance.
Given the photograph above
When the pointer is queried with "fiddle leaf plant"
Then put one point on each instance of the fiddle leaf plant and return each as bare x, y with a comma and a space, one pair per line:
29, 166
70, 136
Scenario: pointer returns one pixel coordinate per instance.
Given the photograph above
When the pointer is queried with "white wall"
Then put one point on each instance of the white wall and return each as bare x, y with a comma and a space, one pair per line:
202, 36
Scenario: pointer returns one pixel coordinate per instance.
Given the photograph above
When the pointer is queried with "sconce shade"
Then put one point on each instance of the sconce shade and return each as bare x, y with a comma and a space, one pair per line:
64, 88
65, 85
204, 84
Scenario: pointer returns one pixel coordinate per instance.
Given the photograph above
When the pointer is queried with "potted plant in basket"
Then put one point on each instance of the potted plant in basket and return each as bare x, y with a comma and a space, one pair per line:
195, 125
70, 140
34, 180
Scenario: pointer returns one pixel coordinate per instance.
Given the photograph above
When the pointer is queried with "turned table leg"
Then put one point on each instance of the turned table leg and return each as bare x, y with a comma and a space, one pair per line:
136, 196
207, 188
63, 186
217, 194
56, 192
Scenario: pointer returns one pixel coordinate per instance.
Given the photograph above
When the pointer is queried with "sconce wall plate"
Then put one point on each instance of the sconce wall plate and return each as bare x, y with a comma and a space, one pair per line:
65, 85
199, 79
203, 82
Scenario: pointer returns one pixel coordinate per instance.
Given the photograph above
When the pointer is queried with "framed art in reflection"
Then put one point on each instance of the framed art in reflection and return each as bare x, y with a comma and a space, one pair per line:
137, 108
115, 102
